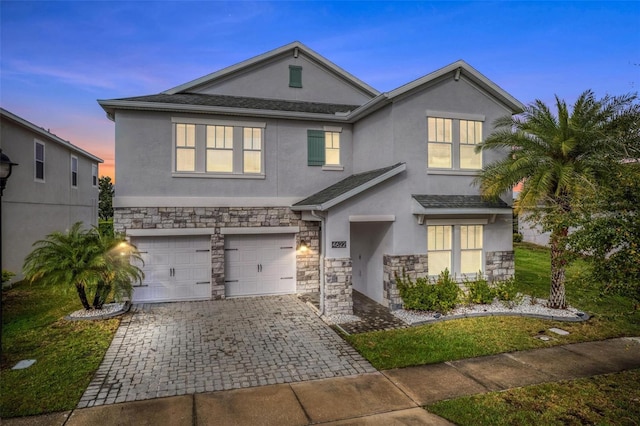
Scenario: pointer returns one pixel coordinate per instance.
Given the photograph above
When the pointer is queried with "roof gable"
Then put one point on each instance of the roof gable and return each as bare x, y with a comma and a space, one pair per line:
295, 51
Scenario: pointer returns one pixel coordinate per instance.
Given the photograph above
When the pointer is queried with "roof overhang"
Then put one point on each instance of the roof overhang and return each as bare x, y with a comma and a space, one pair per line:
326, 205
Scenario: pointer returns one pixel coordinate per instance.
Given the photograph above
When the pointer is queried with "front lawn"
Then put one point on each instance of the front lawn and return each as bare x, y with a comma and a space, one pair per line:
608, 399
613, 316
67, 353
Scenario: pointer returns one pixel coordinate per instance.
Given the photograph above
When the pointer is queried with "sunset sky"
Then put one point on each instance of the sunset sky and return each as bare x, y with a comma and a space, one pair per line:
57, 58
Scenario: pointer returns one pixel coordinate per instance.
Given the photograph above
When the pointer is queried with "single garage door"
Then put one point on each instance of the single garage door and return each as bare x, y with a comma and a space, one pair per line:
175, 268
259, 264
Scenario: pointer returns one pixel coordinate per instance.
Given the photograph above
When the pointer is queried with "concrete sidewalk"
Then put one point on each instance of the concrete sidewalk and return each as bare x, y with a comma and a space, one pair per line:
389, 397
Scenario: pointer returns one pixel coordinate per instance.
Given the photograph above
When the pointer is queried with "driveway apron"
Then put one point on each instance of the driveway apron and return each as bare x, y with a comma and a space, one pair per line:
183, 348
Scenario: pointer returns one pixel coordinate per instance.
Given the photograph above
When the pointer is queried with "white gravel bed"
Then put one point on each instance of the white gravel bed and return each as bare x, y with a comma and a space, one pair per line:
108, 309
340, 319
526, 307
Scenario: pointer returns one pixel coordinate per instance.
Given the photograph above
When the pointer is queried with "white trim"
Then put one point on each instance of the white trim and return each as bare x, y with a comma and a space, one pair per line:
334, 129
260, 230
461, 211
172, 232
214, 175
455, 115
439, 222
133, 201
454, 172
333, 167
373, 218
218, 122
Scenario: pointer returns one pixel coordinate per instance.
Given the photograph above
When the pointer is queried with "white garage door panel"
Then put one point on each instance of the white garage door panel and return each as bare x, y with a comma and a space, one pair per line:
259, 264
176, 268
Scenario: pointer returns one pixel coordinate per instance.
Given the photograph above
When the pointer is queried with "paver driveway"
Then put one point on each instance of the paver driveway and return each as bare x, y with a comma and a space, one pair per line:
190, 347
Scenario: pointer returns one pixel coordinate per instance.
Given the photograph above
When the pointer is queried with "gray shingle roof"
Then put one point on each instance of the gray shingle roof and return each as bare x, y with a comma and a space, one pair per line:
458, 202
356, 183
242, 102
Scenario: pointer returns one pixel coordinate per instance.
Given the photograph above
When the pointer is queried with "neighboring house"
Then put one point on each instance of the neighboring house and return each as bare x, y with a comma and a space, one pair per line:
54, 185
285, 173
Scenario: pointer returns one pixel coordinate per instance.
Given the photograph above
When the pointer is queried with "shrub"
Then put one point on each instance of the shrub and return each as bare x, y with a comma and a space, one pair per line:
440, 295
517, 237
479, 291
506, 291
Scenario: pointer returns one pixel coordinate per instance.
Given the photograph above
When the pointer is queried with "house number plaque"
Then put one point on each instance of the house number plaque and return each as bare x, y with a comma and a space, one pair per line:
338, 244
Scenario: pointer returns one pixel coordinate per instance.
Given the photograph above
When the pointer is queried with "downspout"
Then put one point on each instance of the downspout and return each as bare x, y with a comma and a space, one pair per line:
323, 237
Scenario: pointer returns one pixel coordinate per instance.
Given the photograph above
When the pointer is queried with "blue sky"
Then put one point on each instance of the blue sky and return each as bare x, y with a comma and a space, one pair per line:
58, 57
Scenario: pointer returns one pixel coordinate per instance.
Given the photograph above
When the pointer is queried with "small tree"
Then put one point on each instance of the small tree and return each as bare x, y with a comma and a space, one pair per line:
560, 158
86, 259
105, 203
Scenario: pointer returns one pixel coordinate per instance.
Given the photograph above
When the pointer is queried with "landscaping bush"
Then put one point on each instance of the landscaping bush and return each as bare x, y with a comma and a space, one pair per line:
517, 237
506, 291
479, 291
439, 295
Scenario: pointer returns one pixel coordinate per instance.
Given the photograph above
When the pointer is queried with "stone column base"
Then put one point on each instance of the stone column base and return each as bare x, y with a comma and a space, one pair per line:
338, 297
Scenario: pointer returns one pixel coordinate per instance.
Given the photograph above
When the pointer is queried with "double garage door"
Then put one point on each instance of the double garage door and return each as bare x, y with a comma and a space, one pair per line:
179, 267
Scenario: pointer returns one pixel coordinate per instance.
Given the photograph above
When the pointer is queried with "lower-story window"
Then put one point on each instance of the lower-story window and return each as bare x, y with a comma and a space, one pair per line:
458, 248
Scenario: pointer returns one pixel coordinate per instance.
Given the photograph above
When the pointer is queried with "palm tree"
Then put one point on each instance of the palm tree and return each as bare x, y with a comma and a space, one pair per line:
87, 259
559, 158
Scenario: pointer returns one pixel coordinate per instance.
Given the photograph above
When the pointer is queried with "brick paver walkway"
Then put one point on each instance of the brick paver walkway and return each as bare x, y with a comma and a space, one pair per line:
192, 347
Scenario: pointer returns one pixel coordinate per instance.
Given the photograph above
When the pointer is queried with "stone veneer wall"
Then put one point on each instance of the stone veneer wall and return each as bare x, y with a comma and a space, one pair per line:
413, 265
500, 265
307, 264
338, 286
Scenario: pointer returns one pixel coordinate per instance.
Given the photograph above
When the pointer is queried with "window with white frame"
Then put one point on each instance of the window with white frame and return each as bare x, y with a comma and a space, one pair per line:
74, 171
185, 147
218, 148
458, 248
94, 175
452, 142
440, 142
470, 249
38, 159
439, 248
252, 150
470, 137
323, 148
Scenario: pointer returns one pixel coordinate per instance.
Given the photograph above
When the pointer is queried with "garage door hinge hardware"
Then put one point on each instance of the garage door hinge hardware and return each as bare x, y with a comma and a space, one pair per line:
143, 252
286, 278
230, 281
202, 282
142, 285
230, 249
202, 250
287, 247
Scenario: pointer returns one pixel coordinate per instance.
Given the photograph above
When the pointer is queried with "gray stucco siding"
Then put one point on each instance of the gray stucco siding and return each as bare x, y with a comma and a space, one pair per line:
271, 81
144, 154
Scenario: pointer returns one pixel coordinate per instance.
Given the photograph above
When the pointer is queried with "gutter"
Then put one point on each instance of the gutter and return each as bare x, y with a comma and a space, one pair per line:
323, 237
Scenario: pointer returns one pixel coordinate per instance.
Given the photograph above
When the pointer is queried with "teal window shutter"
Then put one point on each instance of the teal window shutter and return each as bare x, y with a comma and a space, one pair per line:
295, 76
315, 147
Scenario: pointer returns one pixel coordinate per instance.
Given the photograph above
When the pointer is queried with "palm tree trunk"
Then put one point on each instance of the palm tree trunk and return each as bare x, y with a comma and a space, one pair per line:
83, 296
557, 298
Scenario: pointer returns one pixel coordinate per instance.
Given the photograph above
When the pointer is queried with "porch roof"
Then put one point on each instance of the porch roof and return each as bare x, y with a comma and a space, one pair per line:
457, 204
347, 188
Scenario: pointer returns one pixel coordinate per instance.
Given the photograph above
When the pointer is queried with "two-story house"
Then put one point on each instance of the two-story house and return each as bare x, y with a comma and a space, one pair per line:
285, 173
54, 185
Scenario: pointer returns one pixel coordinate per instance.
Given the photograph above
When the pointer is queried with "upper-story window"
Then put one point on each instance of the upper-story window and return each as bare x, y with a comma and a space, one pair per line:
323, 148
185, 148
74, 171
220, 149
38, 161
451, 142
94, 175
216, 148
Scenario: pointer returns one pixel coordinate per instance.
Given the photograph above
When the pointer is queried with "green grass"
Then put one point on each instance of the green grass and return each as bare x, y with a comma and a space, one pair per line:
613, 316
67, 353
602, 400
